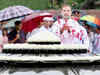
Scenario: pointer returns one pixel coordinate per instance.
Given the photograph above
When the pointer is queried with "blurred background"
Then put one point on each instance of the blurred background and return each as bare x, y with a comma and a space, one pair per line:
51, 4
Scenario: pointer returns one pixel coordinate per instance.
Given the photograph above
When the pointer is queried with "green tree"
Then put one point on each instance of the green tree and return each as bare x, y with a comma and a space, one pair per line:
88, 4
59, 2
82, 4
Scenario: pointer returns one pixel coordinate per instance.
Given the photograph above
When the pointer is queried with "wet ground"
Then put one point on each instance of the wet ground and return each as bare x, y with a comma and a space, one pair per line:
50, 69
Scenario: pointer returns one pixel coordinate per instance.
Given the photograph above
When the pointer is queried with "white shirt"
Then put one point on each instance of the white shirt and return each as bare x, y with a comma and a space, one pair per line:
96, 45
91, 38
0, 32
36, 30
74, 25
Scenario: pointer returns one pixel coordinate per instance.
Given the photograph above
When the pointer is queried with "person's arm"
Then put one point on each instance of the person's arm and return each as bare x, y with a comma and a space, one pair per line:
56, 28
16, 38
65, 27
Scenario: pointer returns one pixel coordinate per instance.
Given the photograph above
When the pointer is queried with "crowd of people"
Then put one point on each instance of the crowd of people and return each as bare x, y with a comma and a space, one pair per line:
66, 27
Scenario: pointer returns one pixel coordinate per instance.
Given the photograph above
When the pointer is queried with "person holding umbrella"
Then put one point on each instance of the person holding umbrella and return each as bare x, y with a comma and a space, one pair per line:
48, 22
45, 25
96, 44
17, 35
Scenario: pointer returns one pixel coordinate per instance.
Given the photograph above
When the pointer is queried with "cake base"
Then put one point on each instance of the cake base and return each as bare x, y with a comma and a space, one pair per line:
44, 43
44, 51
50, 59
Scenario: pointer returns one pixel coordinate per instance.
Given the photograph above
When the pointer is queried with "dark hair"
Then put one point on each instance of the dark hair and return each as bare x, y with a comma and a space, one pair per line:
98, 27
17, 23
4, 29
75, 11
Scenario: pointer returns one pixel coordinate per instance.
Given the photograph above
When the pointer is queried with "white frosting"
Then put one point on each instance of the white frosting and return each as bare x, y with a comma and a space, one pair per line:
44, 36
50, 47
50, 58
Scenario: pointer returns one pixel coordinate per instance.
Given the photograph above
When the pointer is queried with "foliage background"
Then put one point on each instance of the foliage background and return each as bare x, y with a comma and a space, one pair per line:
41, 4
33, 4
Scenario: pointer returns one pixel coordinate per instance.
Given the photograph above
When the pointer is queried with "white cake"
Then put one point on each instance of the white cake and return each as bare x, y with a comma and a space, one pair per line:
50, 58
44, 36
50, 47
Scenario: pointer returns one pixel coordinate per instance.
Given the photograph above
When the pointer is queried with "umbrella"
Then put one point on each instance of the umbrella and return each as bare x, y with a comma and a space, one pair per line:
31, 16
11, 23
13, 12
91, 20
32, 21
